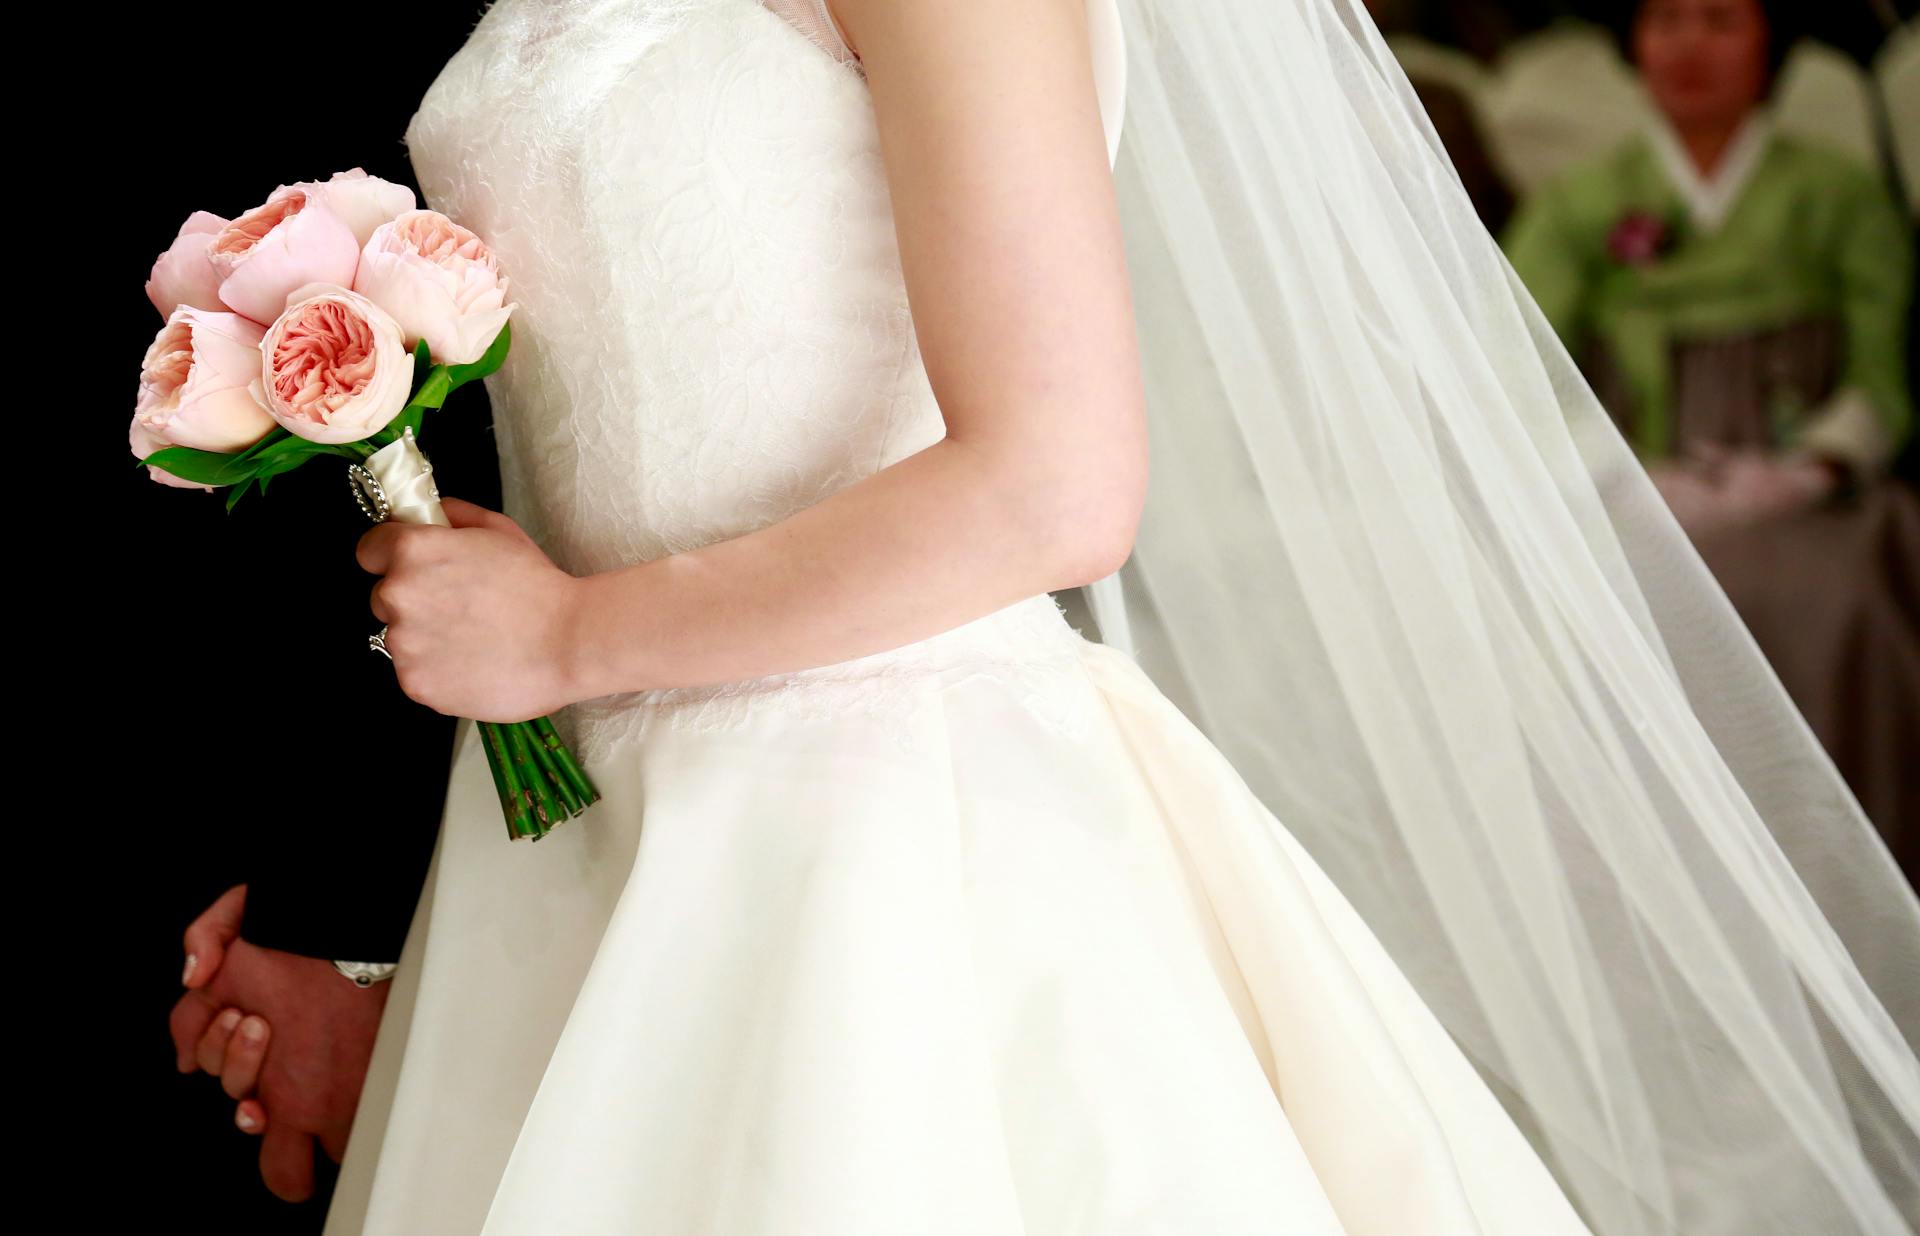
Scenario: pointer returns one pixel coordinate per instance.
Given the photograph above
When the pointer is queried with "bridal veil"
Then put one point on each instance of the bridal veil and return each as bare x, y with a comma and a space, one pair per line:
1401, 567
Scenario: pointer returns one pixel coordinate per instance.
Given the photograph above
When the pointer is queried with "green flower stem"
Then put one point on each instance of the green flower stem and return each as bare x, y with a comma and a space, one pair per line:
499, 778
547, 809
520, 821
569, 767
550, 770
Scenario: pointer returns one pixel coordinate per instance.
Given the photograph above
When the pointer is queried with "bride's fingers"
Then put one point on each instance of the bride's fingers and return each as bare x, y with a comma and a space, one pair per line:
211, 1052
463, 514
240, 1075
250, 1116
374, 553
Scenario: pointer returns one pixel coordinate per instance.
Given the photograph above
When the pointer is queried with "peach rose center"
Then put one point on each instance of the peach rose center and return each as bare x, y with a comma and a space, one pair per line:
441, 241
169, 362
250, 229
324, 359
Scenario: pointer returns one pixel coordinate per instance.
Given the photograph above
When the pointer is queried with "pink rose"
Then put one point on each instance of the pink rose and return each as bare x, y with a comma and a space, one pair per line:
439, 281
289, 242
145, 444
360, 201
183, 275
336, 368
199, 383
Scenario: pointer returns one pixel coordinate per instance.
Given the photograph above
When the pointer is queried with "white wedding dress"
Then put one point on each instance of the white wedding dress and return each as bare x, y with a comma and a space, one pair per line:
975, 937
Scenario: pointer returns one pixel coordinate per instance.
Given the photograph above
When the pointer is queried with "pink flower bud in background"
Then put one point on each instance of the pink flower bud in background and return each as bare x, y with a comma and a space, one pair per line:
183, 275
335, 366
289, 242
1639, 238
439, 281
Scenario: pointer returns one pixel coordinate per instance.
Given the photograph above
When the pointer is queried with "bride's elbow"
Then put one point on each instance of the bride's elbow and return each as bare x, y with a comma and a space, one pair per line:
1095, 556
1094, 529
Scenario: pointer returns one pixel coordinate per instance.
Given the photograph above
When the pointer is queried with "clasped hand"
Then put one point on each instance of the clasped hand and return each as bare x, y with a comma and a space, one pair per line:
479, 619
1719, 487
283, 1033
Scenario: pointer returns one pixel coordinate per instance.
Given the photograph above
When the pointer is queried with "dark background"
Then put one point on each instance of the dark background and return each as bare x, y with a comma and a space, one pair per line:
247, 727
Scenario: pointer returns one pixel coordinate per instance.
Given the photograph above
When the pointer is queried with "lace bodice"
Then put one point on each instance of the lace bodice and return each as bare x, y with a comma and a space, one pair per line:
713, 330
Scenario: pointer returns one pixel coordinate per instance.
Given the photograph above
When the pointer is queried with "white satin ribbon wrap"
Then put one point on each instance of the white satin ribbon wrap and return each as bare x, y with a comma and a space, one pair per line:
407, 480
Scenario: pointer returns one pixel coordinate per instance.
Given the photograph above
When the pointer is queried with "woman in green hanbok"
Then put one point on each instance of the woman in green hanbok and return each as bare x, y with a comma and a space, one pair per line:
1738, 298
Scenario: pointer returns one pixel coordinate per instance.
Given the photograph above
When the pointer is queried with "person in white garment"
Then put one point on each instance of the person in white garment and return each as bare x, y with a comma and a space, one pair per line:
1473, 893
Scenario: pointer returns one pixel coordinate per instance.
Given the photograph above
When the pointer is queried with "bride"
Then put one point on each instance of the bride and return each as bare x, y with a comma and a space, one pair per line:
1505, 892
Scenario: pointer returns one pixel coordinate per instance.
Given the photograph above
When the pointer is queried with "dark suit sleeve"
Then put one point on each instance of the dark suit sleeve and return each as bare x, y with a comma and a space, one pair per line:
342, 873
343, 831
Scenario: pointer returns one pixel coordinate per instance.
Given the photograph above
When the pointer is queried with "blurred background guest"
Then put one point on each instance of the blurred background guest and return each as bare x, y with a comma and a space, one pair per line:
1447, 49
1738, 295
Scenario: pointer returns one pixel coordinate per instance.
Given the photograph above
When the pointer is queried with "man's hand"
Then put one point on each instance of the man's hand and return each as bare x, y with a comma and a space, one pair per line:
1718, 487
320, 1027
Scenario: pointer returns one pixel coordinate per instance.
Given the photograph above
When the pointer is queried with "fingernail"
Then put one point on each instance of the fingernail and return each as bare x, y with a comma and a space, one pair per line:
230, 1019
245, 1121
186, 975
254, 1029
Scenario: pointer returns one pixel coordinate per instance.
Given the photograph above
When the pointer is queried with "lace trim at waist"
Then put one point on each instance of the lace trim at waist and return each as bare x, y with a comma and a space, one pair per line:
1029, 645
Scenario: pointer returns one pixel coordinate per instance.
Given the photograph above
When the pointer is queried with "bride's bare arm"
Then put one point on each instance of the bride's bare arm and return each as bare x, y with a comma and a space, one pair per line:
1010, 243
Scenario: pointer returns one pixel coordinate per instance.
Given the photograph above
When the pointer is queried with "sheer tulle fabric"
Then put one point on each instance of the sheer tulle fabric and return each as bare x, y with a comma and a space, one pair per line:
1400, 566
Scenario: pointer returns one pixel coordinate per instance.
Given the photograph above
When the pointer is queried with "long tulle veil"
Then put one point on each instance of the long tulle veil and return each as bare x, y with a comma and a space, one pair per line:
1402, 568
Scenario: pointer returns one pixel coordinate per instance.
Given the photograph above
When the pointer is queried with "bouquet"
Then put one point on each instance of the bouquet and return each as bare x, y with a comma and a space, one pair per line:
327, 322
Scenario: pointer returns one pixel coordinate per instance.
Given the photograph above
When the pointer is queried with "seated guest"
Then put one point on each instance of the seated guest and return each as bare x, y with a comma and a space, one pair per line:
1738, 299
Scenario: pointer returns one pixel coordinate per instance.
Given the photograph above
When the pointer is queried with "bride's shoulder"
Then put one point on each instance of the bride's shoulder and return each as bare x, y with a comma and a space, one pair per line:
825, 22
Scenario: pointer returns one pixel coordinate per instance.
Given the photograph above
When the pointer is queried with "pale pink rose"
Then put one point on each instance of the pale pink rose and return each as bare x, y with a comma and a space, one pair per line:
439, 281
183, 275
198, 383
289, 242
361, 201
145, 444
336, 368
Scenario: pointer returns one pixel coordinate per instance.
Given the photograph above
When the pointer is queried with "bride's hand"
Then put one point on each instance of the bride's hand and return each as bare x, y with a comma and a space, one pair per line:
479, 620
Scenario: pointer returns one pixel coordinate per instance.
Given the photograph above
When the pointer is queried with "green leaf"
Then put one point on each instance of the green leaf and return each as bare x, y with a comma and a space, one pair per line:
200, 467
278, 452
439, 382
238, 492
496, 355
422, 366
434, 391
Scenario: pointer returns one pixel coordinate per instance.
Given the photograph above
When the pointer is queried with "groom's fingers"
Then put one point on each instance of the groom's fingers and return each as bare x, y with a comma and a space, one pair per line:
286, 1162
192, 1013
211, 1051
250, 1117
207, 936
240, 1075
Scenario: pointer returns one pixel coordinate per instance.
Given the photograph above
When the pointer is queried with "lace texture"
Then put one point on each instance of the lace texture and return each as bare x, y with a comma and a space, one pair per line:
713, 331
812, 19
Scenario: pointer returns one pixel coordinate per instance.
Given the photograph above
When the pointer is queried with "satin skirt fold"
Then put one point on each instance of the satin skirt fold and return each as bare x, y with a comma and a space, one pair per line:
1003, 957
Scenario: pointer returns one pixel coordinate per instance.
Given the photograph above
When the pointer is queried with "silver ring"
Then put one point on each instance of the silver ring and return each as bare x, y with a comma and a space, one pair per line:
379, 643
